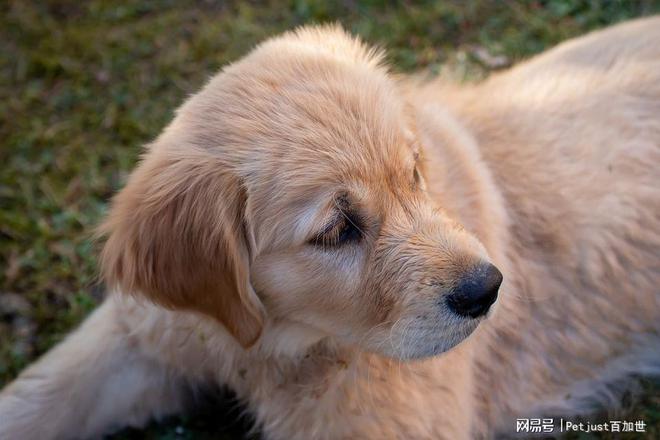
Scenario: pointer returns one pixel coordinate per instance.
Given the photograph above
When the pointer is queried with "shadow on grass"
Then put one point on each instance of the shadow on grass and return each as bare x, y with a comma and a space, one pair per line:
218, 415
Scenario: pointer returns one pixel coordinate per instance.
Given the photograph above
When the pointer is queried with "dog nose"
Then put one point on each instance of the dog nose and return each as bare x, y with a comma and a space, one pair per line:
476, 292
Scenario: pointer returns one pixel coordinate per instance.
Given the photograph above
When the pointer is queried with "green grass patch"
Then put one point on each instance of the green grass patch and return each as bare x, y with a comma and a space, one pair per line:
83, 85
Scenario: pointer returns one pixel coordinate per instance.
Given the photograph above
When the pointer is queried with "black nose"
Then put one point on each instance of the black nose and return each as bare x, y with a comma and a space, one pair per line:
476, 292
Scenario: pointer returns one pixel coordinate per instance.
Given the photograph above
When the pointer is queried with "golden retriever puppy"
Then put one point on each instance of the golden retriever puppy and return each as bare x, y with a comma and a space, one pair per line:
328, 240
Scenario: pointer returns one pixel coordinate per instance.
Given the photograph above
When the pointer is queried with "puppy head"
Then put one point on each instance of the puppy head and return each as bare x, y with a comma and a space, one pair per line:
291, 189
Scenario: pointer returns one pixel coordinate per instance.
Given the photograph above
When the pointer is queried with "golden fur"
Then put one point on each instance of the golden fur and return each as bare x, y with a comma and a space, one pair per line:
550, 170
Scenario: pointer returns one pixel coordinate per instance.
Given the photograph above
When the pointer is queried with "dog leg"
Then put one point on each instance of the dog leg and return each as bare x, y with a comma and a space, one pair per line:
94, 382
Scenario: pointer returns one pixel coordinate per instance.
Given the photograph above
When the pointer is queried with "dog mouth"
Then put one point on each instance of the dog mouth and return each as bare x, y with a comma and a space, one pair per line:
447, 343
415, 339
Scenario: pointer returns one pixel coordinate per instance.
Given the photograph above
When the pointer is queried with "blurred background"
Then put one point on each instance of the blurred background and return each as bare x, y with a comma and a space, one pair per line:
83, 84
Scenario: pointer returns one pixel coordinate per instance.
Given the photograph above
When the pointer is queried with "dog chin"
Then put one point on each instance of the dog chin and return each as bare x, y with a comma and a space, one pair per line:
428, 344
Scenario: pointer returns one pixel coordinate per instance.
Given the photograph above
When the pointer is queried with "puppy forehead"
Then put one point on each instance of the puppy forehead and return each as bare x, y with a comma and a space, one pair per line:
306, 101
289, 122
314, 122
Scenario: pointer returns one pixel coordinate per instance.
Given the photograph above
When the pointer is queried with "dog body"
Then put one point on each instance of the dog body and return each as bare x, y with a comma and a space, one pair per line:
549, 171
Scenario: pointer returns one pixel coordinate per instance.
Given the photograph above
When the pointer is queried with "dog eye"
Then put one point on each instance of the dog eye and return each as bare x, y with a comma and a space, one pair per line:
344, 232
348, 233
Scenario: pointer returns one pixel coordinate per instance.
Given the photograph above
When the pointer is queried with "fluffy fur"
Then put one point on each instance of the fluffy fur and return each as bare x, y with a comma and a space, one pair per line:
217, 248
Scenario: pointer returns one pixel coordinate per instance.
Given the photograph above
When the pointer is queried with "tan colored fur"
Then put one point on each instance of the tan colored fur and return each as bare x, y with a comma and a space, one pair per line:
550, 170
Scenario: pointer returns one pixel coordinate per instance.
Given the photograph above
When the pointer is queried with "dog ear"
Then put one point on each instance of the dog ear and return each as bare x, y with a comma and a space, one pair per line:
176, 235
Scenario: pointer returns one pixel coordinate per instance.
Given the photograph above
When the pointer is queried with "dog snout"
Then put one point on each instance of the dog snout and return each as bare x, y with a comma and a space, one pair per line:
476, 291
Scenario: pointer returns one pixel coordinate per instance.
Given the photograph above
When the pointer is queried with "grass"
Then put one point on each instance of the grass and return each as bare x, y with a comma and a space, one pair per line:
84, 84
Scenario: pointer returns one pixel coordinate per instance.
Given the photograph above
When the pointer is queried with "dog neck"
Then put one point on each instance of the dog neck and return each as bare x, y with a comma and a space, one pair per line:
287, 340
